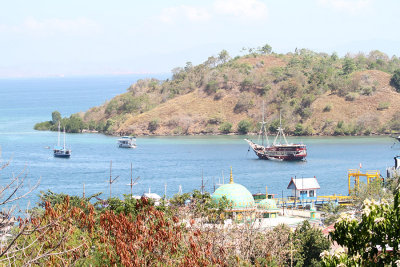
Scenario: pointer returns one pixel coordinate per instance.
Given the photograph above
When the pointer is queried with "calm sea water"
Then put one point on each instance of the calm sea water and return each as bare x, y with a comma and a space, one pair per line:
174, 161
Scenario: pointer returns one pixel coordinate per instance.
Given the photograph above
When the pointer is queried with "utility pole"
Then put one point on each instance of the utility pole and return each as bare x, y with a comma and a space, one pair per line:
214, 184
131, 179
202, 182
283, 204
111, 181
132, 182
83, 190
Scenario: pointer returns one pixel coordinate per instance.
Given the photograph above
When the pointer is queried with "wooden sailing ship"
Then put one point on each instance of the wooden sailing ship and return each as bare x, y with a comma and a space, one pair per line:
280, 149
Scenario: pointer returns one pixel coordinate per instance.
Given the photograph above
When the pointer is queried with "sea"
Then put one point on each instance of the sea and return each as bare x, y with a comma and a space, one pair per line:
162, 165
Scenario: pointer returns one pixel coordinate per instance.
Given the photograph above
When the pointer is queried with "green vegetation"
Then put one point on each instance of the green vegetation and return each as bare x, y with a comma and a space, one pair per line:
373, 240
73, 124
225, 127
395, 80
71, 230
153, 125
309, 244
383, 105
244, 126
327, 108
290, 82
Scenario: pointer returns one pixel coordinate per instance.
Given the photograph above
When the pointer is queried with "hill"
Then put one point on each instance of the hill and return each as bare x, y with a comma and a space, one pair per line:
316, 93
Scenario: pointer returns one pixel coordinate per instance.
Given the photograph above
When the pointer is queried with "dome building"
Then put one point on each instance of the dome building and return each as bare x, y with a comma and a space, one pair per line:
268, 208
242, 202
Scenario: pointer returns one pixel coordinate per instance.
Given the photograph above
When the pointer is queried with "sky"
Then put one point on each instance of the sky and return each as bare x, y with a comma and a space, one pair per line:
44, 38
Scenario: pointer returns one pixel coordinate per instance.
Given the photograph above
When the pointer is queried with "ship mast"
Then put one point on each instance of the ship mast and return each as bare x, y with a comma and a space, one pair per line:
64, 139
58, 143
263, 128
280, 133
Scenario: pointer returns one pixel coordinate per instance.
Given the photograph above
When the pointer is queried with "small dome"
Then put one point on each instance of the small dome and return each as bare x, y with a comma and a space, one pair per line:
239, 195
267, 204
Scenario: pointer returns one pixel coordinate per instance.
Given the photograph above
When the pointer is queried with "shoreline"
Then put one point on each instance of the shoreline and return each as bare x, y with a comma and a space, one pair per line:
230, 134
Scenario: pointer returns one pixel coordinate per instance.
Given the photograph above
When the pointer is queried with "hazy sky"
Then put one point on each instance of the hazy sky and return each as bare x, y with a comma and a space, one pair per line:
85, 37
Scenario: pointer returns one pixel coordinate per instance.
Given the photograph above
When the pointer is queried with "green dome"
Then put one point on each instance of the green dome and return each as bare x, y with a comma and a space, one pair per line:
267, 204
239, 195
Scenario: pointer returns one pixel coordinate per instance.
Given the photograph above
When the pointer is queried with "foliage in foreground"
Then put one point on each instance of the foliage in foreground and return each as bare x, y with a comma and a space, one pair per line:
372, 241
134, 232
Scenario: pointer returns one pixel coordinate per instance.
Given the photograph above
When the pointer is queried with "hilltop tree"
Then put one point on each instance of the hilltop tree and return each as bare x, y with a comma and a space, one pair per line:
348, 66
55, 117
223, 56
395, 80
266, 49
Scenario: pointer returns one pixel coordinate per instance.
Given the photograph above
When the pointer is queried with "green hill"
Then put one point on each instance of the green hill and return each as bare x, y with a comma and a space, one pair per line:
316, 93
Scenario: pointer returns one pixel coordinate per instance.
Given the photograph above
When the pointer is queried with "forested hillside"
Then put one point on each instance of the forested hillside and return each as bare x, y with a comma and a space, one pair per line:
316, 93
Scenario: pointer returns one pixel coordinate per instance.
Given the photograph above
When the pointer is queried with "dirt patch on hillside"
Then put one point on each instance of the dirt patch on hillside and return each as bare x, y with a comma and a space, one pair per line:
365, 110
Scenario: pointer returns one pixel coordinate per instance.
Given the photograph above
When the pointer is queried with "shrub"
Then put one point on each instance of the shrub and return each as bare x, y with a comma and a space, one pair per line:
225, 127
43, 126
111, 106
293, 102
108, 126
367, 90
244, 126
215, 120
307, 100
218, 95
211, 87
327, 108
264, 90
351, 96
273, 126
153, 125
243, 104
383, 105
246, 84
298, 129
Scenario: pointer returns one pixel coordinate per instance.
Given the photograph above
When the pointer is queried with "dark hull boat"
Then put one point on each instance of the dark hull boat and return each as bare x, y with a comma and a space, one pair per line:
278, 150
61, 151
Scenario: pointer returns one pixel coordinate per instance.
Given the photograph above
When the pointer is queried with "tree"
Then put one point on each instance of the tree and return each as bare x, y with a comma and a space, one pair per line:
244, 126
153, 125
299, 129
374, 190
225, 127
348, 66
371, 241
74, 124
395, 80
55, 117
309, 242
266, 49
223, 56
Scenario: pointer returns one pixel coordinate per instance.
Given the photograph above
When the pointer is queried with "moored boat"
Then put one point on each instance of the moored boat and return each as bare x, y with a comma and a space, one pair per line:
61, 151
278, 150
127, 142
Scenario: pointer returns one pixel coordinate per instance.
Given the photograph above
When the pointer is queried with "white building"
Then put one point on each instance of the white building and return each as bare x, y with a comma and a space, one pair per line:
304, 188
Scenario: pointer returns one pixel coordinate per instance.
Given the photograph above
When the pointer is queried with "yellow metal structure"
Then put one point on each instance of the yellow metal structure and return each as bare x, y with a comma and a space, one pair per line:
356, 174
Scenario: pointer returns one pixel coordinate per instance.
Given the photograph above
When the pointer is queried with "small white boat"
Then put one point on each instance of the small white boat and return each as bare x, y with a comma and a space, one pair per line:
127, 142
